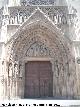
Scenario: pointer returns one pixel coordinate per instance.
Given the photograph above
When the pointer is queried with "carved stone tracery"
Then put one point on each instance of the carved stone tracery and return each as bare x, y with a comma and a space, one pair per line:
57, 14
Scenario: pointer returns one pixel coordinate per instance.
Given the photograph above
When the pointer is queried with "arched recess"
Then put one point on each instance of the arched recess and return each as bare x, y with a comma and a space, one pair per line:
48, 43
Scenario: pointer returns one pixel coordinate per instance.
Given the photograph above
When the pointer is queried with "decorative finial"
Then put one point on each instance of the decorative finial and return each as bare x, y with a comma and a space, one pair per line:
38, 8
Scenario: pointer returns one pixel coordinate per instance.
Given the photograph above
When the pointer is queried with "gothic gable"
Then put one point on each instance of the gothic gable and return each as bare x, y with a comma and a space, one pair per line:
40, 17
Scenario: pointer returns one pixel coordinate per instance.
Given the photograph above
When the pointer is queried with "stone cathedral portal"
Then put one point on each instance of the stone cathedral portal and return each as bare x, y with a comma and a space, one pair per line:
37, 61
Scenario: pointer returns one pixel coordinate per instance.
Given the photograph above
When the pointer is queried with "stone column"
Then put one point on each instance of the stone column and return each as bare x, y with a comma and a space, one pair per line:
19, 81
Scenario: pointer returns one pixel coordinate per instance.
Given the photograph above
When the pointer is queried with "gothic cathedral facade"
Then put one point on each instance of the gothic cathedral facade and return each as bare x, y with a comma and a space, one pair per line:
37, 57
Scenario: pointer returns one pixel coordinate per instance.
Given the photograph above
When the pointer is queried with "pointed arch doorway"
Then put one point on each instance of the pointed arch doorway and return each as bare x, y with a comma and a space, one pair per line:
38, 79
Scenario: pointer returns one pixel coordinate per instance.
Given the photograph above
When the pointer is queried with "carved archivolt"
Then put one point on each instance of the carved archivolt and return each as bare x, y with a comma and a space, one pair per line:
24, 39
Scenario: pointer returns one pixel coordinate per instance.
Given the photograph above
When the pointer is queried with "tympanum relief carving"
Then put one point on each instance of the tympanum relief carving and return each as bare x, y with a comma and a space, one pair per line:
38, 49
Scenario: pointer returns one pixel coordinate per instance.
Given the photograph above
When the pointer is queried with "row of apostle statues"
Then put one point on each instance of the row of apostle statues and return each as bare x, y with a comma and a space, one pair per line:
15, 70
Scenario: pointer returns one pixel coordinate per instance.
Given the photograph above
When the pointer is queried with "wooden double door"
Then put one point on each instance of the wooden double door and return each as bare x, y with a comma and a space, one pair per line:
38, 79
